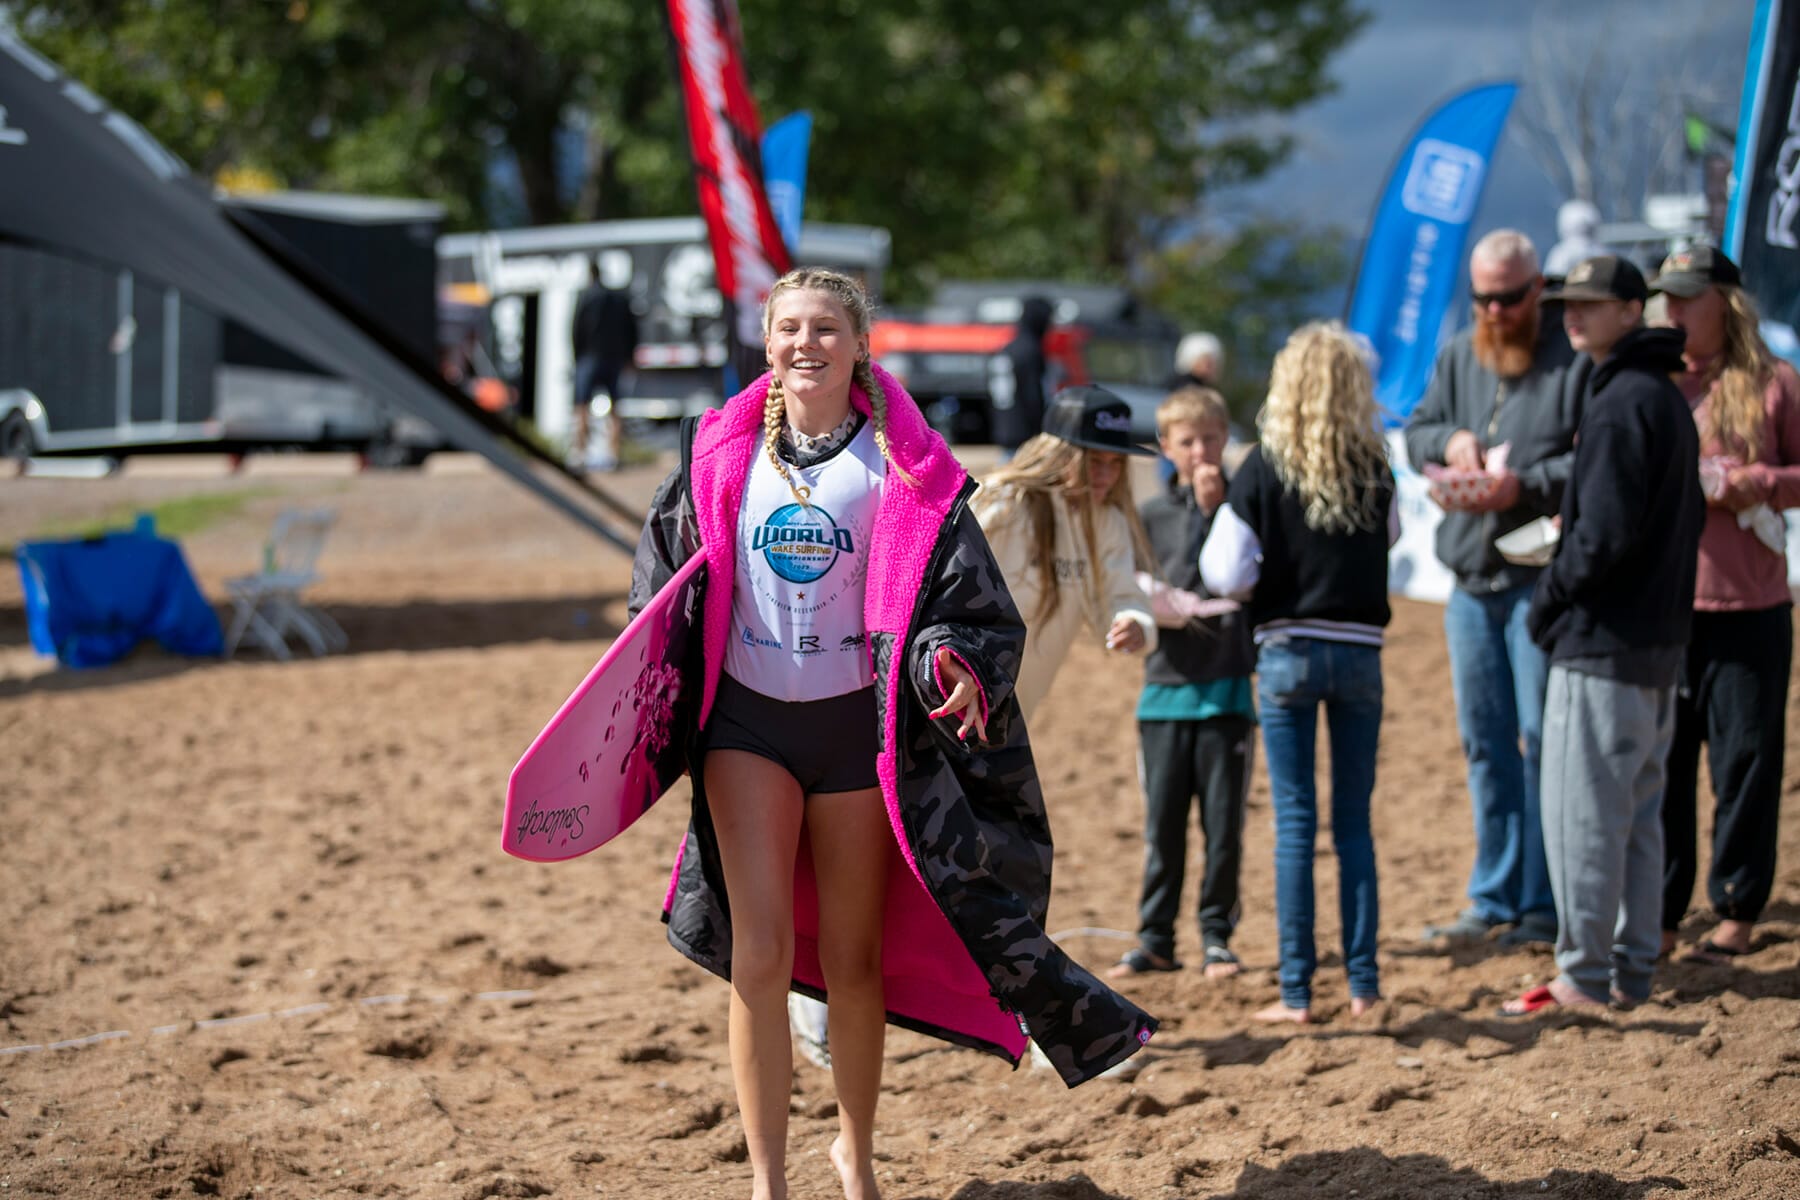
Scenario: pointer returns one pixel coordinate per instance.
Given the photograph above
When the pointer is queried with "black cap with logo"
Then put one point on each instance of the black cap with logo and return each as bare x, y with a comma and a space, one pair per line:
1607, 277
1687, 273
1092, 418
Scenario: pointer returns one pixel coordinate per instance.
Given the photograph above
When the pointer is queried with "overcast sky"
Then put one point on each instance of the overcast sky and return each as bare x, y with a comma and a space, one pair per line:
1415, 53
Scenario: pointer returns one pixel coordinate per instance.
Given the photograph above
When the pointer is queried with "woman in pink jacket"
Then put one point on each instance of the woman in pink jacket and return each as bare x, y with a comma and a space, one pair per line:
868, 825
1733, 690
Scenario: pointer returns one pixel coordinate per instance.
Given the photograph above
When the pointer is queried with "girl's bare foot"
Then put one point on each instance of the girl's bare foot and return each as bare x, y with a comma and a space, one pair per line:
1360, 1005
1669, 939
1280, 1012
858, 1177
1733, 936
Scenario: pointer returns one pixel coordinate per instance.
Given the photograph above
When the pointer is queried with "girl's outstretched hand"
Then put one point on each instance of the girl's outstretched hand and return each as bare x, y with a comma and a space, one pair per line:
964, 698
1126, 635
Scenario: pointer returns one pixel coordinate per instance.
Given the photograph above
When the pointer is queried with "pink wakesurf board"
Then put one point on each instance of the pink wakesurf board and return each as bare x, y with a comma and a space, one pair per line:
619, 742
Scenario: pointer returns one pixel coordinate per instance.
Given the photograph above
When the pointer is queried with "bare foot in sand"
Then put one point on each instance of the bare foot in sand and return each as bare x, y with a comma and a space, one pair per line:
1733, 937
1139, 961
1361, 1005
859, 1178
1280, 1012
1669, 939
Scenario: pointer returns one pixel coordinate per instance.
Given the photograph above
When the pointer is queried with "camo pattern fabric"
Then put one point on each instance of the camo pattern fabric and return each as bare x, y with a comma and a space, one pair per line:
670, 537
976, 820
974, 814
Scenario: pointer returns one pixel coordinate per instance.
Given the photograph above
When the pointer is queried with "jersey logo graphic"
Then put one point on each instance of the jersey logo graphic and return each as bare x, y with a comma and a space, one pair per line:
801, 543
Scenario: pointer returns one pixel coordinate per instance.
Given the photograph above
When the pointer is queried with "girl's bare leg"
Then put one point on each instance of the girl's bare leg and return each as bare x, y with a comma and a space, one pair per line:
850, 839
756, 811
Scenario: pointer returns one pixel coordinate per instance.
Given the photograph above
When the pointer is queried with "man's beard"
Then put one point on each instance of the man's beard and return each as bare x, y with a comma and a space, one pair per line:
1507, 353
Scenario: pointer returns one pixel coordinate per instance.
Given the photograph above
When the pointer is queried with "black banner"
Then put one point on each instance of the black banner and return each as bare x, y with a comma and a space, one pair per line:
1765, 231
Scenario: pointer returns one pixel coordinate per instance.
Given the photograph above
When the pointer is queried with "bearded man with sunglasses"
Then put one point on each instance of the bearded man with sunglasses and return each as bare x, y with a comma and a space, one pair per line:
1509, 379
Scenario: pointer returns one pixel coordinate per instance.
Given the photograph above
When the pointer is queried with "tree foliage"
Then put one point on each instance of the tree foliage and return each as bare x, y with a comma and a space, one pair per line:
1254, 284
1061, 138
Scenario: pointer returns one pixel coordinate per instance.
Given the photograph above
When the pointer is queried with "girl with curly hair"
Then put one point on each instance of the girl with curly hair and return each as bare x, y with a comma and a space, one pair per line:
1303, 541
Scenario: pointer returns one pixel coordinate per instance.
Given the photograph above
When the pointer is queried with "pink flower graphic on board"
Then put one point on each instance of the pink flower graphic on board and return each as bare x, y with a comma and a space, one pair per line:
654, 694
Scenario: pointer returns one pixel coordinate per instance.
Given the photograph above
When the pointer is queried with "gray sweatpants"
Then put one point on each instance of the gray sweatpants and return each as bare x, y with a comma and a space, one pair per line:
1604, 746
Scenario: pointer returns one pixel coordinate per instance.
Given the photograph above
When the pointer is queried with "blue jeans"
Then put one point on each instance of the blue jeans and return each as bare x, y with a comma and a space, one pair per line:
1294, 676
1499, 677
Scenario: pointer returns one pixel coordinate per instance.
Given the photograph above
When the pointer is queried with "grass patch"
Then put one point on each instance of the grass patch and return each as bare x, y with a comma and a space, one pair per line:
176, 518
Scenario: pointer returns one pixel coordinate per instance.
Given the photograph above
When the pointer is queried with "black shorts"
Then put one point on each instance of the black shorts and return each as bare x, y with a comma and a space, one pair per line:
827, 745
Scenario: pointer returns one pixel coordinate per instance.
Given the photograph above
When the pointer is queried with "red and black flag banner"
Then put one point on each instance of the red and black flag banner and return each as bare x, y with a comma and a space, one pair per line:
723, 133
1762, 231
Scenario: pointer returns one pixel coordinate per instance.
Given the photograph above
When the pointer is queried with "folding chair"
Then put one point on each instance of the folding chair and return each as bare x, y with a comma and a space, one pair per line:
268, 603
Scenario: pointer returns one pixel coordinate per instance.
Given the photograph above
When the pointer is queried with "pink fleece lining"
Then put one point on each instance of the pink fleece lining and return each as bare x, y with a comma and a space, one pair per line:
919, 946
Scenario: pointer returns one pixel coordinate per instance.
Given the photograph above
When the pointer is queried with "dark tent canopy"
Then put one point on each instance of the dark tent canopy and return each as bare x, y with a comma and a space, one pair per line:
83, 180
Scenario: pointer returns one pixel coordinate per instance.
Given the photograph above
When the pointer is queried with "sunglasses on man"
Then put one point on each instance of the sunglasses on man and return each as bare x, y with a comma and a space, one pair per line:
1504, 299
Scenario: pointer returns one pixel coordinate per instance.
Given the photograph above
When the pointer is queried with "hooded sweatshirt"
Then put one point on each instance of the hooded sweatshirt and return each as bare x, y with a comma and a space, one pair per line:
1618, 596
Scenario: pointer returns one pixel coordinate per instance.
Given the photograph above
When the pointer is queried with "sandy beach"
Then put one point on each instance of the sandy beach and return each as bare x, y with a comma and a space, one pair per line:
261, 941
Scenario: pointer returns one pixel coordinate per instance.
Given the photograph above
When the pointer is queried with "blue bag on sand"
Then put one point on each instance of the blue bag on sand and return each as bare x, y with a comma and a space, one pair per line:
90, 602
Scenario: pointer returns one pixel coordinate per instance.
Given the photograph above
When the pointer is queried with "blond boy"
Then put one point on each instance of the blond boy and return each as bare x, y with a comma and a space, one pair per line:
1196, 719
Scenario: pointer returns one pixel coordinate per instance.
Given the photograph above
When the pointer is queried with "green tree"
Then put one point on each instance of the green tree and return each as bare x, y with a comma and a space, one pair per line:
1254, 285
1061, 139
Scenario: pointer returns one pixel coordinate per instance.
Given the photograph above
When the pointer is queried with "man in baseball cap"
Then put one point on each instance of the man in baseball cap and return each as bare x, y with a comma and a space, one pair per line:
1607, 277
1613, 611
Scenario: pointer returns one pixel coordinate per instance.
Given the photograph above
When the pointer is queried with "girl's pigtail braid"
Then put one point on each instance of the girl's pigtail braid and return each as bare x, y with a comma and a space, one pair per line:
774, 417
865, 379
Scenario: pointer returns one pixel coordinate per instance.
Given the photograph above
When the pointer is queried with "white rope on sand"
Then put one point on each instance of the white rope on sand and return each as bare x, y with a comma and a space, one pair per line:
1094, 931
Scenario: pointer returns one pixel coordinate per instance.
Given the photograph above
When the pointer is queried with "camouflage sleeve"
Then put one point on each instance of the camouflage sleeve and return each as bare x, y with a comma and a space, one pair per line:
969, 610
670, 537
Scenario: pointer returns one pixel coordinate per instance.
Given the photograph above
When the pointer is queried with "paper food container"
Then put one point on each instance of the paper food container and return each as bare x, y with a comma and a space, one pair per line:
1530, 545
1461, 489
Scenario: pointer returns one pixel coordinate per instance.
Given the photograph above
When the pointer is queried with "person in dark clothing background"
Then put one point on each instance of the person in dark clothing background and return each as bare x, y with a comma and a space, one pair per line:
605, 340
1018, 378
1613, 611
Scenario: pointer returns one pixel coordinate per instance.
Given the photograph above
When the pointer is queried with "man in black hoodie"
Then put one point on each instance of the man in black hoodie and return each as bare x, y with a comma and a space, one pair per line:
1612, 610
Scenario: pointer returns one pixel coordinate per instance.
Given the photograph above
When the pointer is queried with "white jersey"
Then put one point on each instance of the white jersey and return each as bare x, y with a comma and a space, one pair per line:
797, 629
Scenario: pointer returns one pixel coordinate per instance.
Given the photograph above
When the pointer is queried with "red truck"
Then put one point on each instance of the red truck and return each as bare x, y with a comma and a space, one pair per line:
1099, 334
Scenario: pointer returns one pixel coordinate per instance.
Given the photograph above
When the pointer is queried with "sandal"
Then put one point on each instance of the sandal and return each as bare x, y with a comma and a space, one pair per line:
1220, 955
1540, 998
1139, 961
1708, 951
1533, 1001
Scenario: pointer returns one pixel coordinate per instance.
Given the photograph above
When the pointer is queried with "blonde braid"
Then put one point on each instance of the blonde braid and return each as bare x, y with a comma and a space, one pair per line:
865, 379
774, 417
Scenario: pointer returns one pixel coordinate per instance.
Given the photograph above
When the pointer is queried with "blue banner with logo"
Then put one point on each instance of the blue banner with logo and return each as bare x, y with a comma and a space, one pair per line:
1762, 226
784, 150
1413, 256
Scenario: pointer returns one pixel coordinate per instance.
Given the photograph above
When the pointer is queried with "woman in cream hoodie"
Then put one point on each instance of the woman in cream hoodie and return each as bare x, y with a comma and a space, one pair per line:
1064, 530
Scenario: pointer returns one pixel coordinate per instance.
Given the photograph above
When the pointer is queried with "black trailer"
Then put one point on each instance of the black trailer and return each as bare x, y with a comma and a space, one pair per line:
98, 360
